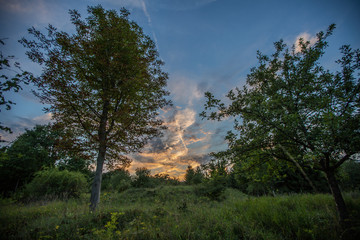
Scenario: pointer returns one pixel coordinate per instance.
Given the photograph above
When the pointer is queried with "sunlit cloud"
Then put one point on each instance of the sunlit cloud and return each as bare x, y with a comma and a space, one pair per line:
184, 143
306, 37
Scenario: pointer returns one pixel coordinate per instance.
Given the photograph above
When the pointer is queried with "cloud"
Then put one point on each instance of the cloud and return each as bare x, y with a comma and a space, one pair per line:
306, 37
132, 4
21, 124
143, 6
127, 3
39, 10
183, 5
183, 143
185, 90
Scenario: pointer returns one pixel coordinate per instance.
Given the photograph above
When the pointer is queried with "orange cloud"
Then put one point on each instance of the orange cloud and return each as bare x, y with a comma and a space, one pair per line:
173, 152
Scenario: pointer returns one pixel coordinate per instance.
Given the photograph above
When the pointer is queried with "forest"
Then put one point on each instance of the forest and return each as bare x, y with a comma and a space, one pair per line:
291, 169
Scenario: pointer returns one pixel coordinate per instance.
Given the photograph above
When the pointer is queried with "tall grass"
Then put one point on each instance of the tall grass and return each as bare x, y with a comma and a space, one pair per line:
176, 212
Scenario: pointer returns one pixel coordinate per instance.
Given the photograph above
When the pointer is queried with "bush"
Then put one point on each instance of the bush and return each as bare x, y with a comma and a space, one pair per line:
213, 189
142, 178
118, 180
53, 183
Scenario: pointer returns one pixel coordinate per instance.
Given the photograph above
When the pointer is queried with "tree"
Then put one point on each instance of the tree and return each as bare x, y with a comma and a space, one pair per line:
189, 175
350, 175
44, 146
292, 109
9, 83
105, 82
193, 176
142, 178
117, 180
29, 153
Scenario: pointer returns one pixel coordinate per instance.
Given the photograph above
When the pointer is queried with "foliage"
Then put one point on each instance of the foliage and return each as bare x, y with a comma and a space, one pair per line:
214, 178
9, 83
264, 179
29, 153
164, 179
193, 176
213, 189
293, 110
157, 214
350, 176
118, 180
42, 146
104, 82
53, 183
142, 178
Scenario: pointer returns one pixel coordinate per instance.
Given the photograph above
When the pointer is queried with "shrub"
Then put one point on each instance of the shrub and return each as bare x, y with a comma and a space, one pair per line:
53, 183
142, 178
213, 189
118, 180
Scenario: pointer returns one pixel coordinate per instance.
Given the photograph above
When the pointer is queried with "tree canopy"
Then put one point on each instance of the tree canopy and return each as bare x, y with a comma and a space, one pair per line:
293, 109
103, 82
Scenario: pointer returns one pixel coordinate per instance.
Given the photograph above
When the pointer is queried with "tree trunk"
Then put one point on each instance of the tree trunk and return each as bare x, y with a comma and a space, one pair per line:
339, 200
96, 187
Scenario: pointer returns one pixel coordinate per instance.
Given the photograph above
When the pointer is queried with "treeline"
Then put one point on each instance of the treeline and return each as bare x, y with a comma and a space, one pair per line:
40, 163
46, 162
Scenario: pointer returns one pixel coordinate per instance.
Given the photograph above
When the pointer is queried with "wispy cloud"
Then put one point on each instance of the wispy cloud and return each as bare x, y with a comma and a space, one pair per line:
146, 13
183, 5
143, 6
185, 90
41, 11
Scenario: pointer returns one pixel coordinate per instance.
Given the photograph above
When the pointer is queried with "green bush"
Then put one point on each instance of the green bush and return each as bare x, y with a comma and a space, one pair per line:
142, 178
212, 189
53, 183
116, 181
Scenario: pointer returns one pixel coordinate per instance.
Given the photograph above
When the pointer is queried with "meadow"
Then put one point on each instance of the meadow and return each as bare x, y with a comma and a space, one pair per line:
177, 212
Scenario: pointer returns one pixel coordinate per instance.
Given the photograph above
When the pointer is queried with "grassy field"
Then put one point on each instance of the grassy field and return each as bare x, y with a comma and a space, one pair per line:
176, 212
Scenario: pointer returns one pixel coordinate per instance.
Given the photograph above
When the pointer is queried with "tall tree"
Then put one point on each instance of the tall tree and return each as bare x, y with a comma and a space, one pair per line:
293, 109
105, 82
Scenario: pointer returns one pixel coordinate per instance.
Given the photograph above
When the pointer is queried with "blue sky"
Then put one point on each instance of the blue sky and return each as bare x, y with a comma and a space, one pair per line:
207, 45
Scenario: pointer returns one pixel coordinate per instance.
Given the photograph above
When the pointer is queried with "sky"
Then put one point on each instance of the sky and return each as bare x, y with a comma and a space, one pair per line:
207, 45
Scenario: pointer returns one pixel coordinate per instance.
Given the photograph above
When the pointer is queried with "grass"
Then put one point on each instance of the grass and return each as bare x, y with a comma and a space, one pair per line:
175, 212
